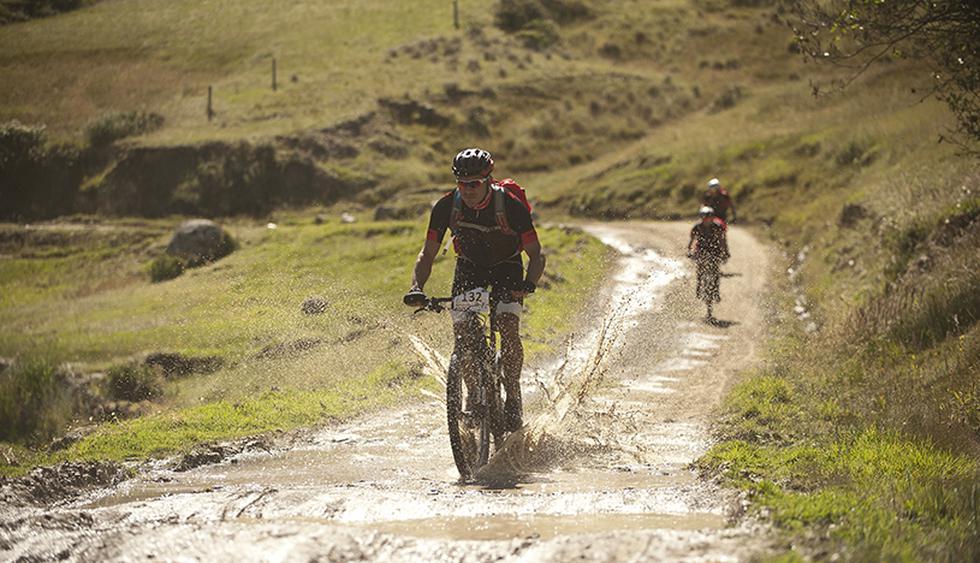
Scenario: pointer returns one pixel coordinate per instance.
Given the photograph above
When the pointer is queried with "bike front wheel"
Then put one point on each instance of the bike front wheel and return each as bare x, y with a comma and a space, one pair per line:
492, 421
708, 278
462, 440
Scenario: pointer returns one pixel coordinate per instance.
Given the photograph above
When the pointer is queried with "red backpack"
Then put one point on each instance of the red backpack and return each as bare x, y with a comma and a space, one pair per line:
502, 189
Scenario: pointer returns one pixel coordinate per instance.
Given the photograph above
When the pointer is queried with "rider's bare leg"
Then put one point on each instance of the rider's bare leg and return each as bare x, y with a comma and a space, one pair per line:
467, 333
512, 356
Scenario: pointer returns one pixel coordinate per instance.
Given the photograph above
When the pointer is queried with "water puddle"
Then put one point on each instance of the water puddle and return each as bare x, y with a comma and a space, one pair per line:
544, 526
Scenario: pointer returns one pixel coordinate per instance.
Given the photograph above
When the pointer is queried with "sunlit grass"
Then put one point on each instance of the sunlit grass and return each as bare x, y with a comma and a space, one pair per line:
176, 430
164, 56
249, 303
891, 498
272, 410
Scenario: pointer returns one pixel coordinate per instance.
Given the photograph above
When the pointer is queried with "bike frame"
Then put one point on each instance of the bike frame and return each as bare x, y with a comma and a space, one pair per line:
484, 401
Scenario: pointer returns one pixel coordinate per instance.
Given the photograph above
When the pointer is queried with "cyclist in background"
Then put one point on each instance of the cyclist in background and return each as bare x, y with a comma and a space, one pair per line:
717, 198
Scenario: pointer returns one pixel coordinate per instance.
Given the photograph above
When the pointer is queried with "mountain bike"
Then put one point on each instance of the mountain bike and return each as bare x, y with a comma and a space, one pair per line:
474, 416
708, 267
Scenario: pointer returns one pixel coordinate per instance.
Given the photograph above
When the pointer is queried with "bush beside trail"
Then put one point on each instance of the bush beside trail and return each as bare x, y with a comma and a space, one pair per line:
35, 404
13, 11
119, 125
36, 179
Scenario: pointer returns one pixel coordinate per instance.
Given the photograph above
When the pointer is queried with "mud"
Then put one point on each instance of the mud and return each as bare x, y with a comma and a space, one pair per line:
600, 472
51, 485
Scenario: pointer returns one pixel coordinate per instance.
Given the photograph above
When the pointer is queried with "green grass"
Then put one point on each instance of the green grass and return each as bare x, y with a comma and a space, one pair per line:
249, 299
241, 305
33, 402
174, 431
862, 439
170, 431
166, 55
883, 495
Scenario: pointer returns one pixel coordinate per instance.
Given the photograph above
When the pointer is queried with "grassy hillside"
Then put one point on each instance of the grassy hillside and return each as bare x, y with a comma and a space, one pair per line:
860, 435
79, 296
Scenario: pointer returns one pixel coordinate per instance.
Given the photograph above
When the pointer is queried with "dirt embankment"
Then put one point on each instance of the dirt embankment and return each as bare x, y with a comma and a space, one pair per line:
214, 179
601, 471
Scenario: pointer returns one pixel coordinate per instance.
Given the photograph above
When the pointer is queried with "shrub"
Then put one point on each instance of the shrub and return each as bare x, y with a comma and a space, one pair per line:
611, 51
114, 126
565, 11
33, 405
22, 10
727, 99
134, 382
851, 154
165, 267
36, 180
538, 35
515, 15
20, 144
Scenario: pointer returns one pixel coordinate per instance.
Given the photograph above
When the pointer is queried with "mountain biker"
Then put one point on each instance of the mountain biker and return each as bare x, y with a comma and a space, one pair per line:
708, 236
488, 251
717, 198
709, 249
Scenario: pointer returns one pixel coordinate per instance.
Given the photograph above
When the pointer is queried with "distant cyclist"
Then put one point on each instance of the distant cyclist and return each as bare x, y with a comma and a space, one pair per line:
709, 236
717, 198
491, 225
709, 248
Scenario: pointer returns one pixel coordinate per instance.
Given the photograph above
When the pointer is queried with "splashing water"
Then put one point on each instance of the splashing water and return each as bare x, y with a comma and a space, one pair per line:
565, 430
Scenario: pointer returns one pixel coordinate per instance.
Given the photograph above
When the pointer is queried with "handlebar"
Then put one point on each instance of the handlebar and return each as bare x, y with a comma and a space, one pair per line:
436, 304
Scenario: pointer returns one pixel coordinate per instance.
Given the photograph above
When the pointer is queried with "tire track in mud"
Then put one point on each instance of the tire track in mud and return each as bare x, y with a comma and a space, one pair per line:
601, 470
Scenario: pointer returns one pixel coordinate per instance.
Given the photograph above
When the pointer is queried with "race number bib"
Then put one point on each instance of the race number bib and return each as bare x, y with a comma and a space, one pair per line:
473, 301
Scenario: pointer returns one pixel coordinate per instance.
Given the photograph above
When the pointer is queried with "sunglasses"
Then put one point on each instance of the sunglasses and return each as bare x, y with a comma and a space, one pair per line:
471, 184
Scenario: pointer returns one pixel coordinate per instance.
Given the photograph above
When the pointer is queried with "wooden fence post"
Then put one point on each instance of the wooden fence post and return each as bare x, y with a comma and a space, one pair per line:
456, 14
273, 74
210, 110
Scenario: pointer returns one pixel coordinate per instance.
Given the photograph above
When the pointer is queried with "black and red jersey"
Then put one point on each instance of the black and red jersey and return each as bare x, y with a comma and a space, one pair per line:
720, 201
479, 237
710, 236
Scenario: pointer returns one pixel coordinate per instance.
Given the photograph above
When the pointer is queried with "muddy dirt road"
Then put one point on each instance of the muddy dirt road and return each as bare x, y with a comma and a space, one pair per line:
602, 464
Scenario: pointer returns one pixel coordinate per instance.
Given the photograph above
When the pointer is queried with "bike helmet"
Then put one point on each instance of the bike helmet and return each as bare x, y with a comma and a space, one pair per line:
706, 211
472, 163
714, 183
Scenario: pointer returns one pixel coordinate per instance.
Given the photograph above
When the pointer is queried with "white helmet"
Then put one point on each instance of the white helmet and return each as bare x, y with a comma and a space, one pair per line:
705, 211
714, 183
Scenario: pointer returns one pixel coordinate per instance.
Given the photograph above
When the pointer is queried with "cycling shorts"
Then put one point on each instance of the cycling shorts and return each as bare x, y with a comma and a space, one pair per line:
500, 279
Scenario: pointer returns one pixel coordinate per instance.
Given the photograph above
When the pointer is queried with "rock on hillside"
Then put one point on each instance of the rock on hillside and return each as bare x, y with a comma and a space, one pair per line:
199, 241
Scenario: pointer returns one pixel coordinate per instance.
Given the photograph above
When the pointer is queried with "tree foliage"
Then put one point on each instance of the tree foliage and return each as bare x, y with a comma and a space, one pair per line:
945, 34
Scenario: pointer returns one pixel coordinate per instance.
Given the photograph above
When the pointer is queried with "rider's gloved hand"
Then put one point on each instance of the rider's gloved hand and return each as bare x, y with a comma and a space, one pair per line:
414, 298
527, 288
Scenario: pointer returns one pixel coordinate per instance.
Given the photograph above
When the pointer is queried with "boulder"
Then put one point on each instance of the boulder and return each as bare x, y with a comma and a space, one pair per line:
199, 241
